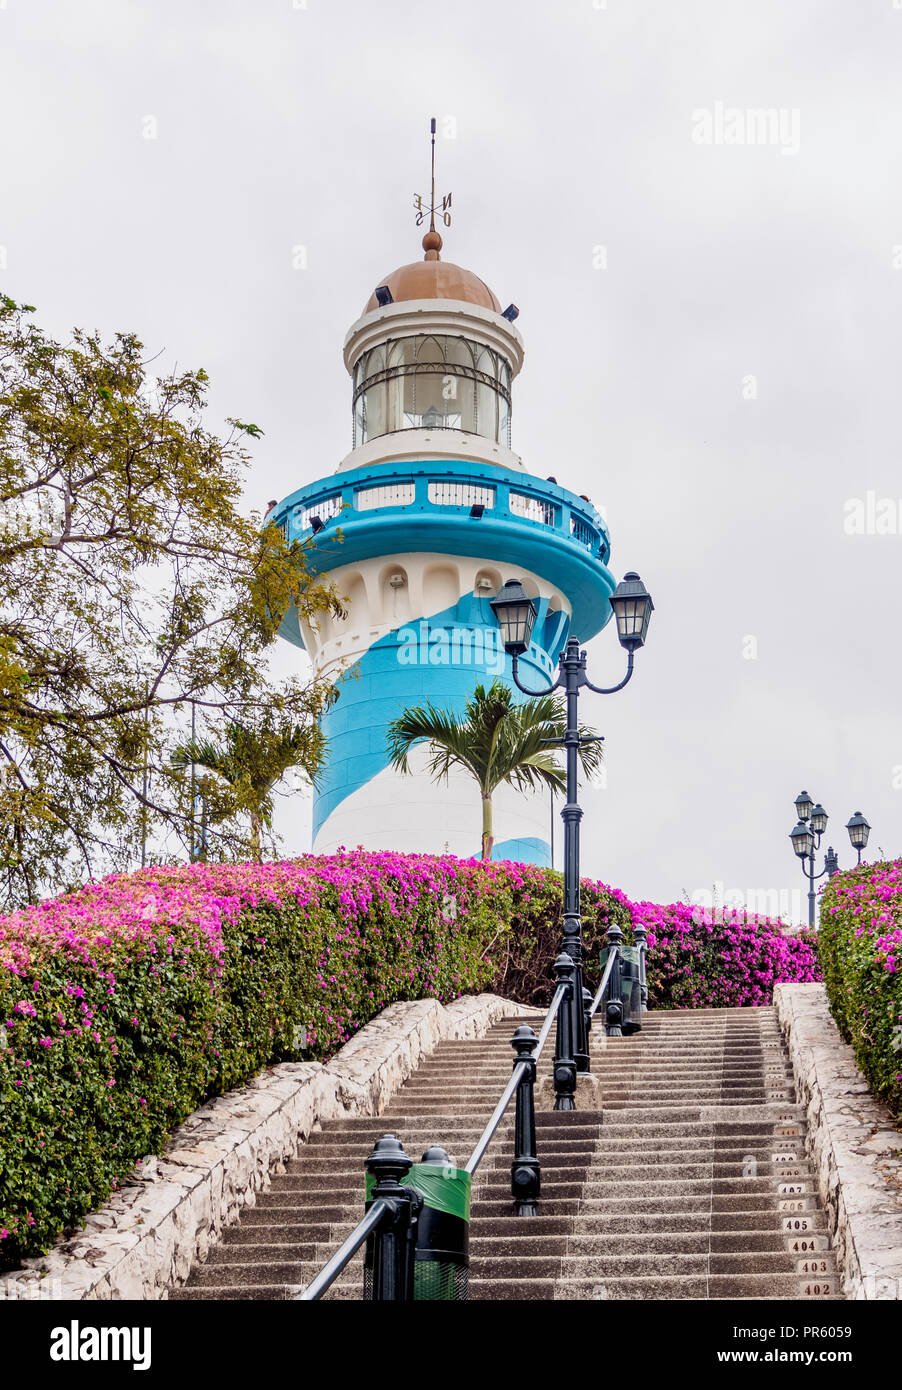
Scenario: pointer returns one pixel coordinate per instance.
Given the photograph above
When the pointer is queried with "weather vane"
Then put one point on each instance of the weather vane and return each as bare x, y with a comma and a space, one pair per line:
432, 209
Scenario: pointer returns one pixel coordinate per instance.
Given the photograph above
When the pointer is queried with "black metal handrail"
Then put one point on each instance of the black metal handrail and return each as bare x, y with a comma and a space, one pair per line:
599, 993
521, 1067
344, 1254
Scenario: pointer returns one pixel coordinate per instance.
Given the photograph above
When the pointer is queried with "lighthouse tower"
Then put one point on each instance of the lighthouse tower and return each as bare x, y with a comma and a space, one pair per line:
419, 527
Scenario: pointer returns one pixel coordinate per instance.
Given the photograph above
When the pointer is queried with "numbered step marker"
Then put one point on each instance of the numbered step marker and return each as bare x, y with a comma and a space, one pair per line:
806, 1245
796, 1223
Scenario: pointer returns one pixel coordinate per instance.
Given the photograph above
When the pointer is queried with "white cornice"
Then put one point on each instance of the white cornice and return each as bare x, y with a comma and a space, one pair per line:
452, 316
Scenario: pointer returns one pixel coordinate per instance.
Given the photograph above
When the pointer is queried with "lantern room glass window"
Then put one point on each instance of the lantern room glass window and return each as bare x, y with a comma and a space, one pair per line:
432, 381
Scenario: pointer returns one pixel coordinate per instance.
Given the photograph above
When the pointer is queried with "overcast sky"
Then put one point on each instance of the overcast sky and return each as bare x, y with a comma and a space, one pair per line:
711, 325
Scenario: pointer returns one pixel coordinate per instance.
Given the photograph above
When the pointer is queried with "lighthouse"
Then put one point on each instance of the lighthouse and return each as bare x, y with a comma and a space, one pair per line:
418, 528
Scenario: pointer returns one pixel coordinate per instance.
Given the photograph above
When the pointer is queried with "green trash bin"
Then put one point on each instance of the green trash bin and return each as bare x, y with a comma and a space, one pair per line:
630, 987
442, 1253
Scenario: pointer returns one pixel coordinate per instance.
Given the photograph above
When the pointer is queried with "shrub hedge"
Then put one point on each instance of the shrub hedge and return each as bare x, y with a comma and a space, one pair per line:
860, 949
127, 1004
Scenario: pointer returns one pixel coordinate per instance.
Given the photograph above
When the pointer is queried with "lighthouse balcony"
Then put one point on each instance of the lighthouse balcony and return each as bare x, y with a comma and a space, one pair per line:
457, 508
431, 498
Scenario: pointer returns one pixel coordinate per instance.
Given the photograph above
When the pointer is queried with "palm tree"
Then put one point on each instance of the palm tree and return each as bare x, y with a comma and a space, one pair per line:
252, 762
495, 740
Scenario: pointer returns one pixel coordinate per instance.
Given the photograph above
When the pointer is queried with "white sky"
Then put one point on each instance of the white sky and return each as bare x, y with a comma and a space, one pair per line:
279, 126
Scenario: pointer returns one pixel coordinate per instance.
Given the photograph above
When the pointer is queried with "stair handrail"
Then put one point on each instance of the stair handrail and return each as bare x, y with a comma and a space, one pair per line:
344, 1254
525, 1174
599, 993
516, 1077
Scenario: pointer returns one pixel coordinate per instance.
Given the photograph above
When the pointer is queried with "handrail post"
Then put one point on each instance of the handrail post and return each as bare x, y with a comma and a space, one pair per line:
564, 1061
613, 1011
640, 935
587, 1016
389, 1258
525, 1171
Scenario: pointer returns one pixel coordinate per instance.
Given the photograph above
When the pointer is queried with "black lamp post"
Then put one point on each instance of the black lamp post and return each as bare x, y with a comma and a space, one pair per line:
516, 614
806, 840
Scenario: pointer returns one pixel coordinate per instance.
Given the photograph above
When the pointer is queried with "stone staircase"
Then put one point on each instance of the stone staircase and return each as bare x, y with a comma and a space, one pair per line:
690, 1184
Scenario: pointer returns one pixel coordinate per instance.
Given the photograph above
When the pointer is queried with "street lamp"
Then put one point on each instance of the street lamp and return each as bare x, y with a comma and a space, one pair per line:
516, 614
859, 830
806, 840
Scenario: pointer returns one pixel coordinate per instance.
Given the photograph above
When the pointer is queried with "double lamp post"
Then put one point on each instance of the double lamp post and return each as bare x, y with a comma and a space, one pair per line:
516, 614
806, 841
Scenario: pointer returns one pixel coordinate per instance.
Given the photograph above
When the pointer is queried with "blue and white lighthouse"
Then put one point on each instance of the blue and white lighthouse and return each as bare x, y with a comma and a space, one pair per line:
418, 528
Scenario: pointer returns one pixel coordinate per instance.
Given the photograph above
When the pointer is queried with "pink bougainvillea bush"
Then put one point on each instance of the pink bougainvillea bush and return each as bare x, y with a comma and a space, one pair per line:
127, 1004
697, 958
719, 958
860, 950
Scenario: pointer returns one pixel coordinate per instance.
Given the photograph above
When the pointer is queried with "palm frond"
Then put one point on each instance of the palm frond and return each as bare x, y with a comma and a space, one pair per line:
497, 739
203, 754
446, 733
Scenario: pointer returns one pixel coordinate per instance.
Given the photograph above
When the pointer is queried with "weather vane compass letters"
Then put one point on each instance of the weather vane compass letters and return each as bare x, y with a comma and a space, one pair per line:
444, 208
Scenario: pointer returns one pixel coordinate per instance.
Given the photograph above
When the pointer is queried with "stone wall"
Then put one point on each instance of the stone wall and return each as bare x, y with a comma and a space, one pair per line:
147, 1237
855, 1145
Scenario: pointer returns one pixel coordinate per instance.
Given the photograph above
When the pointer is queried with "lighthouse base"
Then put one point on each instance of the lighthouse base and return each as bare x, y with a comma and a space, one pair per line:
411, 814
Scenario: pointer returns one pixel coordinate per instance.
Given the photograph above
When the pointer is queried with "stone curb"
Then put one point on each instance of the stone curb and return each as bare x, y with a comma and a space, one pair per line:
854, 1142
146, 1239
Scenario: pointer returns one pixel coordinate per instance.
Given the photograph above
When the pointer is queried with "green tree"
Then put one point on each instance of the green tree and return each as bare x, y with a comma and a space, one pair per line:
251, 762
495, 740
131, 582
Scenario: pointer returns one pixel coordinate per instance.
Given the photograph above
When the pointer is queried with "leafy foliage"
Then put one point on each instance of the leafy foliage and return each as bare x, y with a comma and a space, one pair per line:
250, 762
860, 949
130, 583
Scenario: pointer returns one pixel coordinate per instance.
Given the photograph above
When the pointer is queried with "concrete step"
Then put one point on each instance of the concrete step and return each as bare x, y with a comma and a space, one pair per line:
668, 1103
553, 1266
349, 1158
353, 1150
776, 1287
476, 1098
351, 1168
554, 1165
772, 1112
766, 1120
661, 1287
626, 1080
738, 1214
516, 1237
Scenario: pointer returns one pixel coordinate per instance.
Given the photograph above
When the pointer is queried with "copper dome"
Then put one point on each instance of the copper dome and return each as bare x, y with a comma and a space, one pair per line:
433, 278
